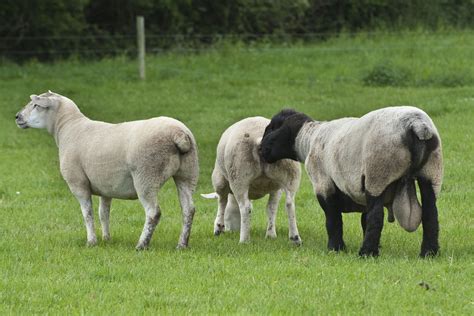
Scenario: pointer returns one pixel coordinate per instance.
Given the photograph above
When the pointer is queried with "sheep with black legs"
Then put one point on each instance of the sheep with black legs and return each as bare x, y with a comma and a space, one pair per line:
127, 161
363, 164
240, 176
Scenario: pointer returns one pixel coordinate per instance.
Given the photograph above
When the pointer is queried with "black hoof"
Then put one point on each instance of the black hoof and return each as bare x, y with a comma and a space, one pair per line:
429, 252
296, 240
365, 253
336, 246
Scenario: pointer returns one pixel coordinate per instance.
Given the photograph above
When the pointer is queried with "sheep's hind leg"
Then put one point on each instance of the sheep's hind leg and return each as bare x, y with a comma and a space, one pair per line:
245, 207
104, 215
219, 225
152, 217
272, 208
373, 231
429, 219
293, 233
334, 225
86, 208
363, 223
186, 201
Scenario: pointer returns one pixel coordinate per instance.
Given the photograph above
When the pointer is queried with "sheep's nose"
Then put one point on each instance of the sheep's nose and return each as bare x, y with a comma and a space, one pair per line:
17, 116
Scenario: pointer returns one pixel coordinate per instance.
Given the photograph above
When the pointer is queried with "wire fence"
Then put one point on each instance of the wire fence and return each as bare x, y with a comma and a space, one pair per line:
125, 44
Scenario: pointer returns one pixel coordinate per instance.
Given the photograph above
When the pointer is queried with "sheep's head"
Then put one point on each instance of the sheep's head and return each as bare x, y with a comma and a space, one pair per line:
39, 111
279, 138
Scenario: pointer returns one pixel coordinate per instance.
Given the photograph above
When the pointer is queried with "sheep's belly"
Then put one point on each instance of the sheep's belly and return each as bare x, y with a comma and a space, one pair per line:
261, 187
119, 187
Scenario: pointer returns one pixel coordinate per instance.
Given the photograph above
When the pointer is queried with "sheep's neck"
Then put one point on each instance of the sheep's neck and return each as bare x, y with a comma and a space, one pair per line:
305, 139
65, 118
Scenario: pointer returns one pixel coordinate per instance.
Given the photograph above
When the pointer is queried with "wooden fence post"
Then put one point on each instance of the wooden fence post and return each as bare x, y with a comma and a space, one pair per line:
141, 46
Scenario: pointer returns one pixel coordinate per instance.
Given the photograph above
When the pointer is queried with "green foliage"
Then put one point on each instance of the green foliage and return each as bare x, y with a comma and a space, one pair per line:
387, 74
45, 267
52, 29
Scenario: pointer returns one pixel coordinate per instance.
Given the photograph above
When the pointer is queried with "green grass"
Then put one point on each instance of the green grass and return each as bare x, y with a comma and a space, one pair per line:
45, 266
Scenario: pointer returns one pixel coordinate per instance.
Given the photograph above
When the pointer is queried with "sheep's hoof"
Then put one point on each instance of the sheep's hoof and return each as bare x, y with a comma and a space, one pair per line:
244, 242
429, 253
365, 253
92, 243
296, 240
106, 238
218, 229
141, 247
336, 246
181, 246
270, 235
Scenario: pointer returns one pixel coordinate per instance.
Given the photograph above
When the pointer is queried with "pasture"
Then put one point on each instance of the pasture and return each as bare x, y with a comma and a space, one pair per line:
45, 266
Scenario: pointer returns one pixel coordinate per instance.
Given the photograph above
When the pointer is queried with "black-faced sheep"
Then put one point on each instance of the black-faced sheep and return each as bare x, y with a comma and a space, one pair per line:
240, 176
127, 161
363, 164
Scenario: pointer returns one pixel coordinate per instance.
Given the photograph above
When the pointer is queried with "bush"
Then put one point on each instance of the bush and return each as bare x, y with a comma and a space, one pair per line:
387, 74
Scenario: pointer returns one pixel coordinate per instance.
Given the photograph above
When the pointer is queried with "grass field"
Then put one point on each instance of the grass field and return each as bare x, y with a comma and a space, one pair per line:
45, 266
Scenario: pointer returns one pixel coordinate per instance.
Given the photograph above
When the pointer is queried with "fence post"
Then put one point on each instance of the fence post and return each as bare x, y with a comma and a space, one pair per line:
141, 46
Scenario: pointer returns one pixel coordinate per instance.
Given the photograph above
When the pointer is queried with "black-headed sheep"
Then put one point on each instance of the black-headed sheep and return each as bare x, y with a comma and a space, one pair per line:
363, 164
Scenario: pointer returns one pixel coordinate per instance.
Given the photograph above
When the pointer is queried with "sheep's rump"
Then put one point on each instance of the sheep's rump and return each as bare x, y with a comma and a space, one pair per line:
383, 152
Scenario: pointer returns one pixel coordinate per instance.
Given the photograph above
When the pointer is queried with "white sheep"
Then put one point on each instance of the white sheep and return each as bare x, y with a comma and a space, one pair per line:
127, 161
364, 164
240, 176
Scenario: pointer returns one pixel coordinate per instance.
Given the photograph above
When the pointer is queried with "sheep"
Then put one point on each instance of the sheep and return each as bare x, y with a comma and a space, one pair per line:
126, 161
239, 176
363, 164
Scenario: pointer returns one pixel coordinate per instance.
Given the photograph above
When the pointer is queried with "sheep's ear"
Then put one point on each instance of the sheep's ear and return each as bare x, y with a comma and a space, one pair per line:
44, 102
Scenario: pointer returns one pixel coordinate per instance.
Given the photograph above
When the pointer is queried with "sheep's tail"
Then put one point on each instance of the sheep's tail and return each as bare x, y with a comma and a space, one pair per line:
182, 141
422, 141
212, 195
405, 207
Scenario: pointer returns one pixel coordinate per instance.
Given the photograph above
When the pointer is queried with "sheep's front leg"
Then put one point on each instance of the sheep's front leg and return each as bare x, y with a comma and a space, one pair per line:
334, 226
87, 213
373, 231
152, 217
188, 210
429, 219
290, 209
219, 225
104, 215
245, 207
272, 208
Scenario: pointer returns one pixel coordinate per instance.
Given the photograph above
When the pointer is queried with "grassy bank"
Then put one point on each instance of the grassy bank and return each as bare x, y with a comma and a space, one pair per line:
45, 266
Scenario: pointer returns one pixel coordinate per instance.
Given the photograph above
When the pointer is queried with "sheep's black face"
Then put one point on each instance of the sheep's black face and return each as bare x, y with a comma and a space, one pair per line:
279, 138
278, 144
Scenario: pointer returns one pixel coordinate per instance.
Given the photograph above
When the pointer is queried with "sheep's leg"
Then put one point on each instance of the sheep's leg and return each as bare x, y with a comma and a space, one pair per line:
334, 225
232, 214
152, 217
104, 215
290, 209
219, 225
187, 206
363, 223
272, 208
245, 207
429, 219
375, 214
87, 213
